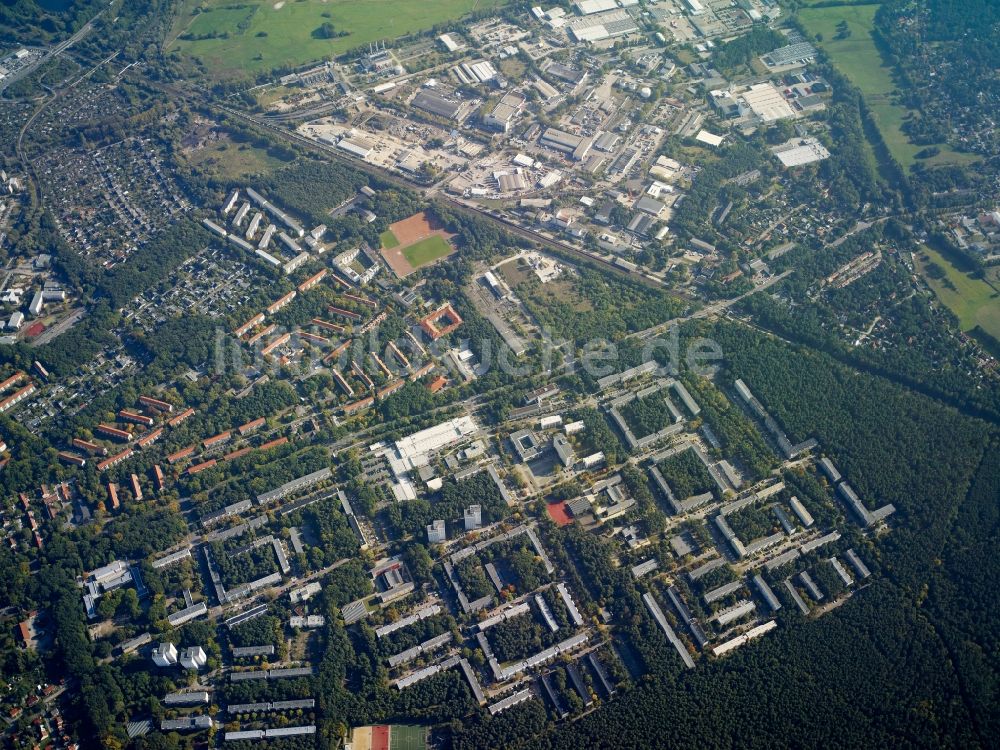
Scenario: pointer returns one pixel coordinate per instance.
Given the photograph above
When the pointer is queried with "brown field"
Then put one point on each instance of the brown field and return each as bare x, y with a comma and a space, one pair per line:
558, 513
408, 232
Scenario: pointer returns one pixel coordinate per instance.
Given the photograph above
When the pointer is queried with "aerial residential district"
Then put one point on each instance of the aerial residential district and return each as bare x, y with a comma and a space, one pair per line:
386, 375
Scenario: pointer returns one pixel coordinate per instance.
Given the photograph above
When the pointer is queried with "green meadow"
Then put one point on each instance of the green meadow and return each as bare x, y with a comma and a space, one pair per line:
860, 60
233, 39
975, 301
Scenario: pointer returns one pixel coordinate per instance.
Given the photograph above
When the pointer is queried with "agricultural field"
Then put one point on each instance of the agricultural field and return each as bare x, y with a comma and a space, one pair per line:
975, 301
235, 39
860, 60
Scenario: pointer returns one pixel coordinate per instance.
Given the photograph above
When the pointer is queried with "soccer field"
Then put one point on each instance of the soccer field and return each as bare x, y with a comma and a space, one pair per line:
234, 39
425, 251
405, 737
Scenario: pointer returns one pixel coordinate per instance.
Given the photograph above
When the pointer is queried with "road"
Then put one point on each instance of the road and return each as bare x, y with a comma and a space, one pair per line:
714, 308
52, 53
59, 328
859, 227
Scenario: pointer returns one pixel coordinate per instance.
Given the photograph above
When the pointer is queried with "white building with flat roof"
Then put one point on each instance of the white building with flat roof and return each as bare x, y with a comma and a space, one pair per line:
473, 517
767, 103
165, 655
193, 658
436, 533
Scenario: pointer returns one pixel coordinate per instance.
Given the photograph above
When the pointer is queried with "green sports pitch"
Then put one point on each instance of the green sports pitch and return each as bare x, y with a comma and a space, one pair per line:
406, 737
388, 240
233, 39
428, 250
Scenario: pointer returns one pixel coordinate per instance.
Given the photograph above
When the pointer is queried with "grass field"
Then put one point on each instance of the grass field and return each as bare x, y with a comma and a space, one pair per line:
973, 300
405, 737
229, 161
860, 60
388, 239
425, 251
254, 35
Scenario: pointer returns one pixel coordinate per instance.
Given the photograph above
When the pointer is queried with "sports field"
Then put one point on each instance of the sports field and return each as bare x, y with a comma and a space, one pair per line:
973, 300
427, 251
414, 242
405, 737
388, 239
233, 39
860, 60
558, 513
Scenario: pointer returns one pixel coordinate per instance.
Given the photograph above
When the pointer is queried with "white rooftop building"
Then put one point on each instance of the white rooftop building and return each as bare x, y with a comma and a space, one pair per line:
165, 655
436, 533
801, 151
473, 517
767, 103
193, 658
414, 450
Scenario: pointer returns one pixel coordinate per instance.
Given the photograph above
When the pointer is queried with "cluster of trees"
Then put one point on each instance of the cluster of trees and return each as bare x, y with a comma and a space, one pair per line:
686, 475
595, 305
849, 172
412, 399
310, 188
181, 342
449, 503
692, 215
519, 637
346, 583
29, 22
813, 494
737, 434
238, 565
753, 522
472, 578
335, 541
415, 634
646, 415
260, 631
597, 435
743, 49
154, 261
